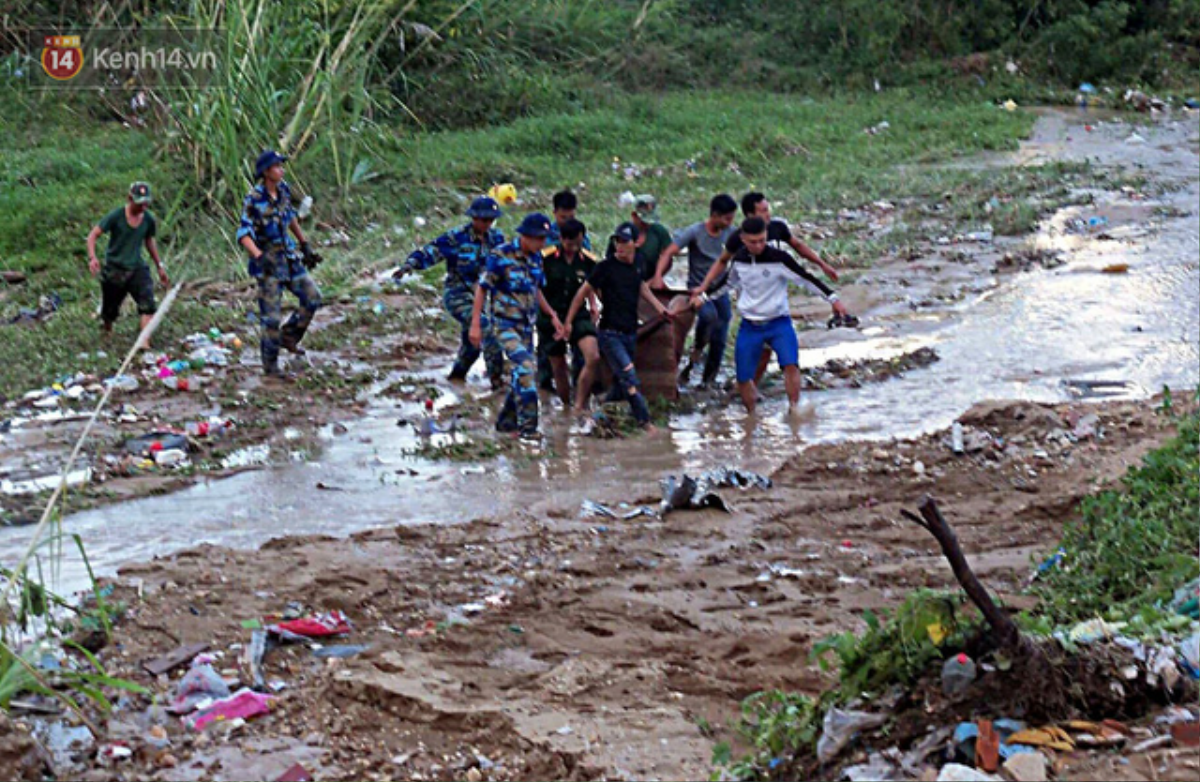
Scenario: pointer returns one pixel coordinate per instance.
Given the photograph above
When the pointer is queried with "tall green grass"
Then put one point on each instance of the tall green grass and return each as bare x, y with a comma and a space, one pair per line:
297, 77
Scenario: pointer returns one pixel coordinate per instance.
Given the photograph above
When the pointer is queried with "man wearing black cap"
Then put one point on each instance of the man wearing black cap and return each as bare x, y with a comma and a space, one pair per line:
465, 251
124, 273
618, 282
267, 217
513, 280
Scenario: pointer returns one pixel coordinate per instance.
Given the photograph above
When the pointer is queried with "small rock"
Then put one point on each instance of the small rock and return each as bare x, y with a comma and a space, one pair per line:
474, 775
919, 467
1087, 427
1025, 767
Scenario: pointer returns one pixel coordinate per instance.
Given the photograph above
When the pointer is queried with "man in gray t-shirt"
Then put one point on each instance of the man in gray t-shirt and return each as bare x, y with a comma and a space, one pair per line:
704, 243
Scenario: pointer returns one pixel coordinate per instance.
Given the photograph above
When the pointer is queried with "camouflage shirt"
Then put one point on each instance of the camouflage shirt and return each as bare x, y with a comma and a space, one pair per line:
513, 281
266, 222
464, 253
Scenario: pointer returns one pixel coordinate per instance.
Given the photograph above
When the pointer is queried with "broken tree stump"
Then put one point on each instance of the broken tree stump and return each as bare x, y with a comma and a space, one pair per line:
932, 520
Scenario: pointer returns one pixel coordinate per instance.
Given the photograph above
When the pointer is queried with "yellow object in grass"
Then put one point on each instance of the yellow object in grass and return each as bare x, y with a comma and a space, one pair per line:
504, 194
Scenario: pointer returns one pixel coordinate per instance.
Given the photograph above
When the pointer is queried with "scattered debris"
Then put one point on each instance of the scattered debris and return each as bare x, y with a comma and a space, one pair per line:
839, 729
172, 660
242, 705
317, 626
687, 493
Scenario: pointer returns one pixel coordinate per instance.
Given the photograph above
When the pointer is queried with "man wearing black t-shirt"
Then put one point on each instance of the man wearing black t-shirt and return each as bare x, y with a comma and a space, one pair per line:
779, 235
618, 282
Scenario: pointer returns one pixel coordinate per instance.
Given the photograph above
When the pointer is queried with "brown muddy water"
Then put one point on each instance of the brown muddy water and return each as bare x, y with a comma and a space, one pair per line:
1046, 335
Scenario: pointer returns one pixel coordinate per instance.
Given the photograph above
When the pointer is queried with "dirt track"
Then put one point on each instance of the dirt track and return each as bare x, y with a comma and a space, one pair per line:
622, 649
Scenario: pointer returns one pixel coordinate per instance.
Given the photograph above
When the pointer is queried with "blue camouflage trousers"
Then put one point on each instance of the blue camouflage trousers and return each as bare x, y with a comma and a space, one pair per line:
459, 303
520, 411
275, 333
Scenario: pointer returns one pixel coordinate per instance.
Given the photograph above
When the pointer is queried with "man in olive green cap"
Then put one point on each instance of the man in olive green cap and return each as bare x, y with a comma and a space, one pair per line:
124, 272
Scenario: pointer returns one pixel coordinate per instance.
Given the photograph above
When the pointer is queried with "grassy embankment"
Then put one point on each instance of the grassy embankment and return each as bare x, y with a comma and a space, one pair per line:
57, 177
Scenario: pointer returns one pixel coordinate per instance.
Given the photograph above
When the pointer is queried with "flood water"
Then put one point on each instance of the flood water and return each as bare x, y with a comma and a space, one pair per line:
1024, 338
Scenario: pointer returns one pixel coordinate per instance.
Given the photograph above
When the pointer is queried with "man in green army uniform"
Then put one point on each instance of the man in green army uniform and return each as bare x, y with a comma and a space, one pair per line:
124, 273
566, 268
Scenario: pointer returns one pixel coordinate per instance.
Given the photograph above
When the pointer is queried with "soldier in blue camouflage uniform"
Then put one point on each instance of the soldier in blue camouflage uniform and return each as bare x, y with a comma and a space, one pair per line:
465, 251
512, 281
276, 262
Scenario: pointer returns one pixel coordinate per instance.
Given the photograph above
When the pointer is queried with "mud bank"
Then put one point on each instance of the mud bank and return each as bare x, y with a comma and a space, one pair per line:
546, 645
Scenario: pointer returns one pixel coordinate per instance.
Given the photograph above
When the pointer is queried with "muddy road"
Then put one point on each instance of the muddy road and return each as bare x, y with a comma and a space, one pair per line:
509, 637
538, 644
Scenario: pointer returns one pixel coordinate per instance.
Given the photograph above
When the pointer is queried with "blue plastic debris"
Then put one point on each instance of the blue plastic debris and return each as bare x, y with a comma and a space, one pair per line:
965, 731
1054, 561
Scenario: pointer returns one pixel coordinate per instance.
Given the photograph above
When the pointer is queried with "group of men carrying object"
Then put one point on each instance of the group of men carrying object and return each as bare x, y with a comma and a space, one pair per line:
547, 278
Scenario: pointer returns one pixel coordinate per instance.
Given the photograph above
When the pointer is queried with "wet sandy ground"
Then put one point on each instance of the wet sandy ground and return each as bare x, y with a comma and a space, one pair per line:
608, 649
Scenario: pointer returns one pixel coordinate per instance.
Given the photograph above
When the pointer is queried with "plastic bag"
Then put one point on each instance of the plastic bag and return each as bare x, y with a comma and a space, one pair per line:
201, 685
840, 727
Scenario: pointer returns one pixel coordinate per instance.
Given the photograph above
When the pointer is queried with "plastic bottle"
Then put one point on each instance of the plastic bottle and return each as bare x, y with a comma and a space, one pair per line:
956, 437
957, 674
122, 383
214, 427
177, 383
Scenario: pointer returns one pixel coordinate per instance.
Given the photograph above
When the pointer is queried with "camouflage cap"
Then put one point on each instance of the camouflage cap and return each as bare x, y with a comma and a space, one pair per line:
139, 193
646, 207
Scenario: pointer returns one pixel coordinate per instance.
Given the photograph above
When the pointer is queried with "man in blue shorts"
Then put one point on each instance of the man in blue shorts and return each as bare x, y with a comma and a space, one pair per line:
761, 274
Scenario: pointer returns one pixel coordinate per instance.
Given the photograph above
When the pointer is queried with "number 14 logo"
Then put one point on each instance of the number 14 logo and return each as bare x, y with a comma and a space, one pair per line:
62, 56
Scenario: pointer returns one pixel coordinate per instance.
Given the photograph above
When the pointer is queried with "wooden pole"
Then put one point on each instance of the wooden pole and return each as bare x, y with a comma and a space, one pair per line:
932, 520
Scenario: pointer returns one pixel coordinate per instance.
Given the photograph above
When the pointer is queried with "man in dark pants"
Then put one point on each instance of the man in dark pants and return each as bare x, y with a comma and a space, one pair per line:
704, 242
617, 280
276, 263
124, 273
464, 251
